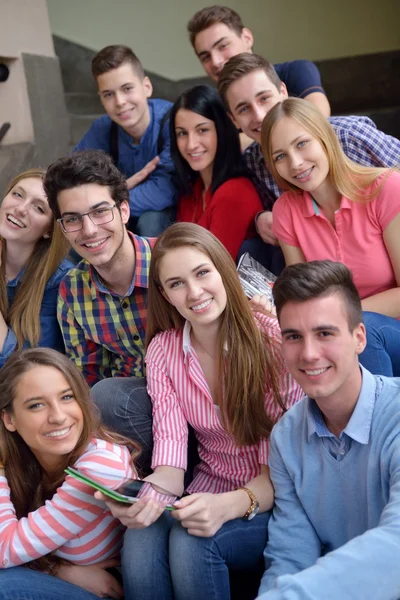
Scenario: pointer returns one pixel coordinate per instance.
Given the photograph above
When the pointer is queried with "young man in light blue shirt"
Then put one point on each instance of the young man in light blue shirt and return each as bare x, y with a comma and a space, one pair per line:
335, 456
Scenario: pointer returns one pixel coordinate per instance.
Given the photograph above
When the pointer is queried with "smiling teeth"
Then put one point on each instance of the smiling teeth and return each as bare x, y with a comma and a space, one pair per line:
196, 154
202, 305
15, 221
316, 371
58, 433
305, 174
94, 244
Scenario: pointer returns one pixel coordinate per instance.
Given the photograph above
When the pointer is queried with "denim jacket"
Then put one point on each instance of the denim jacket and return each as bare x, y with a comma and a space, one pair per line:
50, 333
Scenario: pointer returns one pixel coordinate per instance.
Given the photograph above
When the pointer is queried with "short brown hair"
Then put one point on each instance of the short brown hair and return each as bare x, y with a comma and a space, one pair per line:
112, 57
318, 279
240, 65
210, 15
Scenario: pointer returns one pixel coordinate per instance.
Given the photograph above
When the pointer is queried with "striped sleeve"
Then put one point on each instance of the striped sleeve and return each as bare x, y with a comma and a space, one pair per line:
170, 431
71, 510
289, 391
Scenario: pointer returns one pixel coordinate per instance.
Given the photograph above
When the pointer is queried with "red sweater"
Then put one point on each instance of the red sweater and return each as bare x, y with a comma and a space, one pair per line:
229, 214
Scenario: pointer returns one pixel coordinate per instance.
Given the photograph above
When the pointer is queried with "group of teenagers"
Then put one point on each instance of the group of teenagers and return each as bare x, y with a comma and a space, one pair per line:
128, 349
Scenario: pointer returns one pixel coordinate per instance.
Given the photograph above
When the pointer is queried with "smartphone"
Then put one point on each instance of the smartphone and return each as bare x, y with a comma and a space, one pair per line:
126, 493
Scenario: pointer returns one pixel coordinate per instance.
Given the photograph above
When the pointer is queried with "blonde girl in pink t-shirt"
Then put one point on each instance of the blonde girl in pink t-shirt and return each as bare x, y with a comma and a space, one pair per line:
336, 209
49, 521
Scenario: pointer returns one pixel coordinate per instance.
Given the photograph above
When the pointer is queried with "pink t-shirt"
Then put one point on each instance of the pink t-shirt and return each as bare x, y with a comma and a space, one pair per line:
357, 238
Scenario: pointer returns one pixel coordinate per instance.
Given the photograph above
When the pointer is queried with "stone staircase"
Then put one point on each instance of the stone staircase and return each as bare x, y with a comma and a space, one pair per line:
367, 85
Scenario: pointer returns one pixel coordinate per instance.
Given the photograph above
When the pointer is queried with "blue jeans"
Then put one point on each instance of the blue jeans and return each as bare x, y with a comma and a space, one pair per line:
271, 257
152, 223
382, 354
20, 583
126, 408
165, 562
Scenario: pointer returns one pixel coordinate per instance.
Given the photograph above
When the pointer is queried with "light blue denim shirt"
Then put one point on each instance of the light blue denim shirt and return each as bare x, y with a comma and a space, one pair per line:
335, 528
50, 333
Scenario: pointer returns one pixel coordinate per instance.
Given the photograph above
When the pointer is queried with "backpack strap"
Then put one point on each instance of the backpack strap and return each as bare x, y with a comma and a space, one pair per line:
114, 152
160, 139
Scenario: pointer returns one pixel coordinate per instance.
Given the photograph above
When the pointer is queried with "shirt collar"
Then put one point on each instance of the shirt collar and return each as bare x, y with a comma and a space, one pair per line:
141, 272
186, 342
311, 208
359, 425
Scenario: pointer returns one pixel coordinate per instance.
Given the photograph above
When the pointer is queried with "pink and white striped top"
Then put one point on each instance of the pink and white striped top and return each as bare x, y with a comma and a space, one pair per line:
180, 395
78, 527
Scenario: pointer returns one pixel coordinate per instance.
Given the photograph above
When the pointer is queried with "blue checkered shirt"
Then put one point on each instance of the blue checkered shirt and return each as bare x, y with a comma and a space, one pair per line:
361, 141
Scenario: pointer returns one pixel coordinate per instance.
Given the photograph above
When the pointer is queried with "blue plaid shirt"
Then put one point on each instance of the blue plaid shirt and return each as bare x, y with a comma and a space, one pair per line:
361, 141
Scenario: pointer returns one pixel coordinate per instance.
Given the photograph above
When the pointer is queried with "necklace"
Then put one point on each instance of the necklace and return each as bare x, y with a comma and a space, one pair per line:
202, 347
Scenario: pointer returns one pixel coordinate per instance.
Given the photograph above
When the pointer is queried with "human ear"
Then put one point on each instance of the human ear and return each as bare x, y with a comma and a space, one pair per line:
248, 38
361, 337
8, 421
125, 211
283, 91
148, 87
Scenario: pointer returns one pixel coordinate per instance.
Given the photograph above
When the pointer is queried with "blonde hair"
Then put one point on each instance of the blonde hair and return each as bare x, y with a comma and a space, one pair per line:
349, 178
24, 314
250, 368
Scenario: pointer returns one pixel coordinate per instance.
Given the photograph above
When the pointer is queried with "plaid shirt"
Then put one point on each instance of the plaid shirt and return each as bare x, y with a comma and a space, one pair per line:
104, 332
361, 141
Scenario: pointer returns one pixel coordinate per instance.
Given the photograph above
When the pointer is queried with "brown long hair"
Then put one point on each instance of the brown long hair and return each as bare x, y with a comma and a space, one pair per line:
250, 367
29, 484
349, 178
24, 314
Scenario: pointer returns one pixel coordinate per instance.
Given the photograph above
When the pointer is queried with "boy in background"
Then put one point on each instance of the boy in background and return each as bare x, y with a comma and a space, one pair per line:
135, 133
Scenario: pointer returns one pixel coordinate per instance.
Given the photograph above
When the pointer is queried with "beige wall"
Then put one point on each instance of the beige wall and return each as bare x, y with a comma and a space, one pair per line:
24, 27
156, 29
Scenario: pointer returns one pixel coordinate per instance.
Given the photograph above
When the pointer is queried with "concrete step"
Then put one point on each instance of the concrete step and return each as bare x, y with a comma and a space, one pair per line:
80, 124
83, 103
14, 159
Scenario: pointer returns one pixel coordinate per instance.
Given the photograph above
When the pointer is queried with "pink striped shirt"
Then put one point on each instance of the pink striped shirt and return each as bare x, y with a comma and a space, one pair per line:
180, 395
73, 523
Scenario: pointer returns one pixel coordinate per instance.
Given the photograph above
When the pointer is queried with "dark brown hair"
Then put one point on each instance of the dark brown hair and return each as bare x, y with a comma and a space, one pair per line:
240, 65
210, 15
318, 279
86, 166
251, 367
30, 486
112, 57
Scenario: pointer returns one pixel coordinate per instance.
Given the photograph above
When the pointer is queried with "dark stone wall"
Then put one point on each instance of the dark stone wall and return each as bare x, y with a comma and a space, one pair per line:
47, 102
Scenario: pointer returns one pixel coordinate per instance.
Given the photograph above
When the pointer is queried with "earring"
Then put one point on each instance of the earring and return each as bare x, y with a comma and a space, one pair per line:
46, 236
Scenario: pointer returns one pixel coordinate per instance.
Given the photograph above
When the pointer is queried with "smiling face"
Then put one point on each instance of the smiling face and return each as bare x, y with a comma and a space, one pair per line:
299, 158
319, 349
250, 98
25, 215
46, 415
98, 244
217, 44
192, 284
124, 96
196, 138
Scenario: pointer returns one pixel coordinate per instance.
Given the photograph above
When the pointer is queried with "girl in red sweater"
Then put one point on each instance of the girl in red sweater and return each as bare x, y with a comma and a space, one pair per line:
216, 190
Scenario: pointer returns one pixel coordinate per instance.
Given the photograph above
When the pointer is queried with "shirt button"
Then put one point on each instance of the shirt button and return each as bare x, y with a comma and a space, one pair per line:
136, 338
4, 562
125, 303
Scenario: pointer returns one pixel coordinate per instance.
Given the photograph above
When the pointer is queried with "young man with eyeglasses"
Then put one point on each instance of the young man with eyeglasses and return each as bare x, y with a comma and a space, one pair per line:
102, 302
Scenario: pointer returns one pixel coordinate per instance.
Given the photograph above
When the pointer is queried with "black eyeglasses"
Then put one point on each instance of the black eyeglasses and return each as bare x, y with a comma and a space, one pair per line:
98, 216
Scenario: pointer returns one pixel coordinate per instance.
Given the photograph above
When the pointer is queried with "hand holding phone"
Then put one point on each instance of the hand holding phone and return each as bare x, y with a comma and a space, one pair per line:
129, 492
